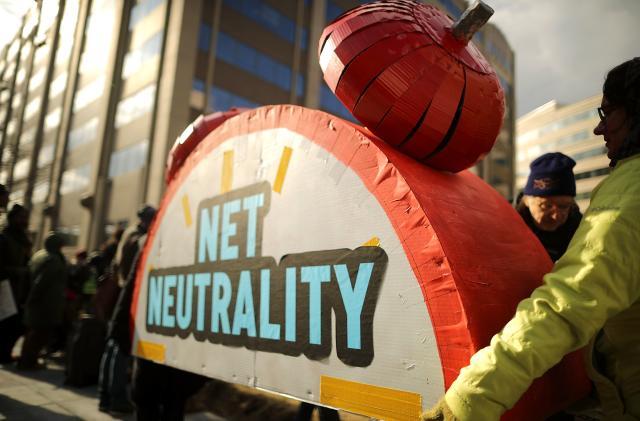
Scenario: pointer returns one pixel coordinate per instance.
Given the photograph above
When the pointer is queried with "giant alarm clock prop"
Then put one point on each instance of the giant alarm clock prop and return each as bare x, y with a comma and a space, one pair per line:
302, 254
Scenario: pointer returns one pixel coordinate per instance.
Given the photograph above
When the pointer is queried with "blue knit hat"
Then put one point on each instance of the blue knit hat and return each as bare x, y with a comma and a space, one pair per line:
551, 175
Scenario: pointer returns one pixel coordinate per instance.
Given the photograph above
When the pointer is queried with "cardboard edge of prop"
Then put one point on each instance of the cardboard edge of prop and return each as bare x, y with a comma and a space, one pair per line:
473, 256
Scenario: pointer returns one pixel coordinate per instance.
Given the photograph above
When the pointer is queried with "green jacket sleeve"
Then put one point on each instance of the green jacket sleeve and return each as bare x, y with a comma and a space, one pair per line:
597, 278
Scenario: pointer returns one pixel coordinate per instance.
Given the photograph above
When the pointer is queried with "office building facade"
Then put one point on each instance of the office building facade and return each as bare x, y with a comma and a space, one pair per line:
95, 92
554, 127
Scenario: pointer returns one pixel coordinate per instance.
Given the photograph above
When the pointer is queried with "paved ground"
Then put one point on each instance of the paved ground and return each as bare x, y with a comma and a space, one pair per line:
41, 395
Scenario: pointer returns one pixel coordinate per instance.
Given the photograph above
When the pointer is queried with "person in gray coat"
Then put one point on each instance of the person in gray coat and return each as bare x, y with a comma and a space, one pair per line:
44, 309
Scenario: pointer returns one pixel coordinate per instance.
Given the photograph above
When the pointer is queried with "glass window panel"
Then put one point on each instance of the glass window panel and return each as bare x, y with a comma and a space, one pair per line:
135, 106
75, 179
45, 156
32, 108
89, 93
40, 192
52, 120
83, 134
58, 85
135, 59
128, 159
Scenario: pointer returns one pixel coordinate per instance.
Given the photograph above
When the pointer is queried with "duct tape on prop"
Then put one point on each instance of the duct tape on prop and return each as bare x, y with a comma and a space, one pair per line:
398, 68
296, 253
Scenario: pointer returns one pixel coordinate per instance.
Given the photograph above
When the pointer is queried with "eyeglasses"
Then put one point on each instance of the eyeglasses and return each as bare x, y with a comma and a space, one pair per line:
547, 206
602, 114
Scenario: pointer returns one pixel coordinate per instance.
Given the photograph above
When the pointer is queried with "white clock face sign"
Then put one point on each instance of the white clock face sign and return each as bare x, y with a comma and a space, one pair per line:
271, 264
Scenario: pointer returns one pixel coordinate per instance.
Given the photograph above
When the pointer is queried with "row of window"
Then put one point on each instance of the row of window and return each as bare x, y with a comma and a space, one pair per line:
135, 106
142, 9
592, 173
600, 150
135, 59
40, 192
537, 150
221, 99
98, 39
75, 179
67, 31
52, 120
261, 65
128, 159
83, 134
88, 93
534, 134
269, 18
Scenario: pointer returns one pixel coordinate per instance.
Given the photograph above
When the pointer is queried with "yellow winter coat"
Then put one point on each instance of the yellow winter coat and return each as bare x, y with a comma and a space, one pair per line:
592, 295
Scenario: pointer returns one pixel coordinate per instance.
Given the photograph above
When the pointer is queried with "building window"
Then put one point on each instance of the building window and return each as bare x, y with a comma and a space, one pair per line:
534, 134
128, 159
142, 9
148, 51
99, 33
45, 157
83, 134
75, 179
36, 80
221, 100
27, 136
58, 85
246, 58
600, 150
592, 173
40, 192
32, 108
88, 94
135, 106
52, 120
21, 169
267, 17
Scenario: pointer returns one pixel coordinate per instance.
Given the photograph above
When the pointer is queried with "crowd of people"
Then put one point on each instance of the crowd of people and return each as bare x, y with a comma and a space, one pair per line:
80, 310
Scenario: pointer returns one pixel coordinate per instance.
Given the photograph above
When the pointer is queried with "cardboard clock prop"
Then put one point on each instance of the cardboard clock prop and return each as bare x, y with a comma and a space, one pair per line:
410, 77
301, 254
296, 253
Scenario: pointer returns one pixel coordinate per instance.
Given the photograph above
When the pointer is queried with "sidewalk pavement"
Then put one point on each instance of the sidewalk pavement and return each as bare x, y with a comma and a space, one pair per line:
42, 396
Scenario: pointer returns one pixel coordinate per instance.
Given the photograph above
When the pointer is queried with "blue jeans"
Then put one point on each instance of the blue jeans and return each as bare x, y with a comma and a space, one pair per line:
112, 384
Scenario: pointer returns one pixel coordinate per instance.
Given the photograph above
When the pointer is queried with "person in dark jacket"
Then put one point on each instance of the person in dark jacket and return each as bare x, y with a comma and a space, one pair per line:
116, 356
15, 250
44, 309
548, 205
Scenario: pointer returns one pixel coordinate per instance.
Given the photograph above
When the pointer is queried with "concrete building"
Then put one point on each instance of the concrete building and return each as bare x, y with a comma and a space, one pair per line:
554, 127
95, 92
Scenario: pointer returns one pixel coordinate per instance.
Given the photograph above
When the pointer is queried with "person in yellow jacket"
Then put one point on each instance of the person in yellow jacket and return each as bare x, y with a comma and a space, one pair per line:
592, 295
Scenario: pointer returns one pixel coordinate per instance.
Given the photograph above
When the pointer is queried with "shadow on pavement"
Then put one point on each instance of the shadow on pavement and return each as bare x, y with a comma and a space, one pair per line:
16, 410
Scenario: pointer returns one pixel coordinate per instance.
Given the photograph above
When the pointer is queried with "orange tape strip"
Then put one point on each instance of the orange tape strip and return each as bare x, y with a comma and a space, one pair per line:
186, 209
227, 172
150, 351
282, 169
374, 401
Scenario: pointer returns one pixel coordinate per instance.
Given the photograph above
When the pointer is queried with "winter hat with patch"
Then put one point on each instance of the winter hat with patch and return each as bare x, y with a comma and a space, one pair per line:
551, 175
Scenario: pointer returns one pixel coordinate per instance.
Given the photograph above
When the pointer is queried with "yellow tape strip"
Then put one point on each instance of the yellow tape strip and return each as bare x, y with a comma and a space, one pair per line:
186, 209
374, 401
373, 241
151, 351
227, 171
282, 169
